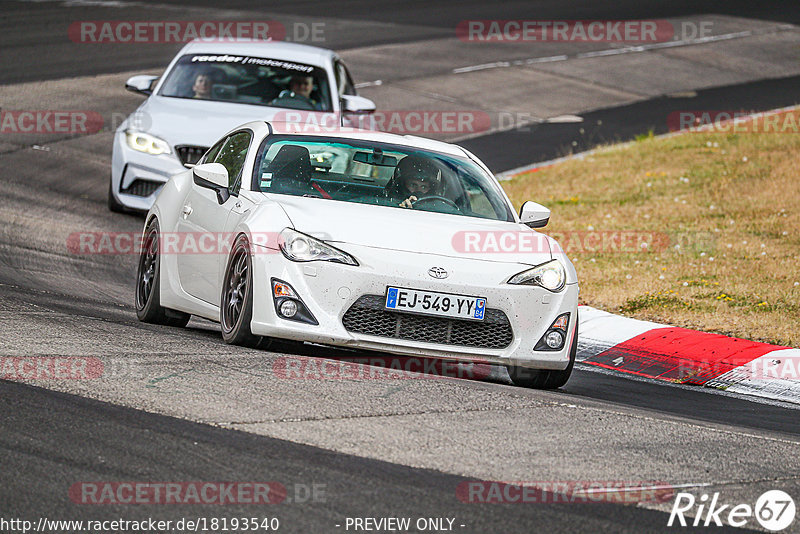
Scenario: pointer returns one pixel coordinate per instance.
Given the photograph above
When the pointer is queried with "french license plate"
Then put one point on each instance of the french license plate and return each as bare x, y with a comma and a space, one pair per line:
435, 303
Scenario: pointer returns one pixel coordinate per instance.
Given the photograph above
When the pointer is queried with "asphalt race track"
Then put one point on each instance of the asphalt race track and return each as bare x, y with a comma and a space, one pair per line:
180, 405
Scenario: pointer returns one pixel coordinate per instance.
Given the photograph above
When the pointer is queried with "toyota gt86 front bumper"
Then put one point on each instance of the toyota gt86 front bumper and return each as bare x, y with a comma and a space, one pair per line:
347, 302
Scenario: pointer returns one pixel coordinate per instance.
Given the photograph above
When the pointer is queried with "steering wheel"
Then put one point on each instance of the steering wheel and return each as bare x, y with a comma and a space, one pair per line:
437, 198
304, 103
291, 100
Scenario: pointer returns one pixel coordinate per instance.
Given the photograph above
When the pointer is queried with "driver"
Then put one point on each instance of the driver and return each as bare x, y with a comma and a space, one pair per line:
416, 177
300, 89
302, 85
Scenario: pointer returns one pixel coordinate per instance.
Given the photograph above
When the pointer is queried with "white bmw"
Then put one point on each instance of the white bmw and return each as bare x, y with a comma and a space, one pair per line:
209, 88
360, 239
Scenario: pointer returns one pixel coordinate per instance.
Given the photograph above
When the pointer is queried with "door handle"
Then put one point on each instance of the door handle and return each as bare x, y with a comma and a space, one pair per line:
187, 210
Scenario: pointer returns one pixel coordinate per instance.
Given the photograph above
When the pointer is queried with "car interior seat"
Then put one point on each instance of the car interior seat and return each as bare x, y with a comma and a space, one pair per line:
290, 170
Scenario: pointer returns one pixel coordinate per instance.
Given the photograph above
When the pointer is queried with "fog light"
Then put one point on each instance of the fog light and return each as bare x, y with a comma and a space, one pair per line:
288, 305
554, 339
288, 308
555, 336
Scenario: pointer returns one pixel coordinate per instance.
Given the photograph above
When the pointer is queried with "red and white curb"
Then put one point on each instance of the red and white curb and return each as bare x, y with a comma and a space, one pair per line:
685, 356
680, 355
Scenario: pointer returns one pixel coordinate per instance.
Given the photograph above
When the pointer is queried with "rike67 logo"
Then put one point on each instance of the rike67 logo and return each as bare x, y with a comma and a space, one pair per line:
774, 511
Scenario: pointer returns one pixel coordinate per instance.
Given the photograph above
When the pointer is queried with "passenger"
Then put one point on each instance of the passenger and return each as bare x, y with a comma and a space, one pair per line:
202, 86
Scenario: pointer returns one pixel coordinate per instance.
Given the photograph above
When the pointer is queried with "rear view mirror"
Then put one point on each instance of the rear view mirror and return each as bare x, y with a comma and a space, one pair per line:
534, 215
375, 158
213, 176
223, 92
142, 84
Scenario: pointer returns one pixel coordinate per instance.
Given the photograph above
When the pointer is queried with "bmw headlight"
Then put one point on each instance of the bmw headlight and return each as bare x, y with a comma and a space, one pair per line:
550, 275
301, 247
146, 143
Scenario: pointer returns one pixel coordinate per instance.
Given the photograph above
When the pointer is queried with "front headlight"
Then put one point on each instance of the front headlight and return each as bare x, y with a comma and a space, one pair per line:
301, 247
550, 275
146, 143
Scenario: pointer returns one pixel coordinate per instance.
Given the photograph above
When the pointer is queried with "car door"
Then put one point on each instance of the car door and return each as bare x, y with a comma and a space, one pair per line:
201, 227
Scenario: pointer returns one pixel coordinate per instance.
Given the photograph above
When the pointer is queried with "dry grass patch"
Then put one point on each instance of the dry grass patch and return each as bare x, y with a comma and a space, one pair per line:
715, 221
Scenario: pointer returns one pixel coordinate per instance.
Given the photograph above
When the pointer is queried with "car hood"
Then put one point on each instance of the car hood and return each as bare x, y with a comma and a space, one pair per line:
187, 121
390, 228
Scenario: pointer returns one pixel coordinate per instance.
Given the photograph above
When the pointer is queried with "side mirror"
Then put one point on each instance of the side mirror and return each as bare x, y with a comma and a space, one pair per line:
534, 215
213, 176
142, 84
357, 104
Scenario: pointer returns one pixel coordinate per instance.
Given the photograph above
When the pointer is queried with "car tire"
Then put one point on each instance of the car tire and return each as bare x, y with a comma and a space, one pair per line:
544, 379
148, 284
236, 300
113, 204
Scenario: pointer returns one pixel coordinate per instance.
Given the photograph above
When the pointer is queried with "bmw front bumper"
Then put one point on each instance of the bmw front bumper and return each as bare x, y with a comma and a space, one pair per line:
137, 177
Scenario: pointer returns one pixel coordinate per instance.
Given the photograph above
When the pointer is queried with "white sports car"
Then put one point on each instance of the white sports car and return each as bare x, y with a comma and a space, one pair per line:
360, 239
209, 88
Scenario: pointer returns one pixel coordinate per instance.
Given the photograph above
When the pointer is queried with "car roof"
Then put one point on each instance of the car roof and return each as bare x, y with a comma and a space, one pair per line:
411, 141
300, 53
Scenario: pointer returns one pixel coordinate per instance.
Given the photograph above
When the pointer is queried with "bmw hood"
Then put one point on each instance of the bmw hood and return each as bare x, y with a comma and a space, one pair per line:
187, 121
411, 230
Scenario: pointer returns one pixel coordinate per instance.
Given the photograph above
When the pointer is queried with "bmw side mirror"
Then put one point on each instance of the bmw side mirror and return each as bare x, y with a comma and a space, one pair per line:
357, 104
213, 176
534, 215
142, 84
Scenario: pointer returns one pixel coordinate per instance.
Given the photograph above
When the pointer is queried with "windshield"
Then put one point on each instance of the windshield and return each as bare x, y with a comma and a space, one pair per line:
381, 174
249, 80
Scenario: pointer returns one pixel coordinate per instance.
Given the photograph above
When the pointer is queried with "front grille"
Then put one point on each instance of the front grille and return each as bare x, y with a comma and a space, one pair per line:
368, 316
190, 154
142, 188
